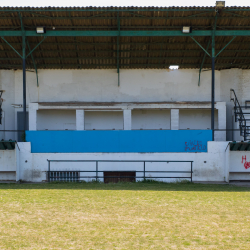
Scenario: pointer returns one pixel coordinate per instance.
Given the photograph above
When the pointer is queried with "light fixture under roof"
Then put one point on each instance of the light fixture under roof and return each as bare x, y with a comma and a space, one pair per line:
186, 29
174, 67
40, 30
220, 4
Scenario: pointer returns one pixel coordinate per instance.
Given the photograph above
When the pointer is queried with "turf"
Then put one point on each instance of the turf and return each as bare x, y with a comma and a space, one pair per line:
124, 216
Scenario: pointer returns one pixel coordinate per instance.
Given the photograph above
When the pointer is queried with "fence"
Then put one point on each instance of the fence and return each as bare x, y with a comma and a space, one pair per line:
74, 175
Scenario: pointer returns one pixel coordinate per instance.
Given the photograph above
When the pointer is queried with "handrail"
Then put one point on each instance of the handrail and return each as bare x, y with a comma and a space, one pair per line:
241, 118
97, 176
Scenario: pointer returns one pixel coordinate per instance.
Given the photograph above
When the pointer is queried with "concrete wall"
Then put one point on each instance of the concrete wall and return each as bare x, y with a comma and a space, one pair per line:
136, 86
150, 119
7, 165
239, 165
7, 83
103, 120
207, 166
197, 119
56, 120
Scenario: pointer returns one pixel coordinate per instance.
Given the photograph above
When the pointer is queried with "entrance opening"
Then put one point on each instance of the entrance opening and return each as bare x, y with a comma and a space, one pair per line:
119, 176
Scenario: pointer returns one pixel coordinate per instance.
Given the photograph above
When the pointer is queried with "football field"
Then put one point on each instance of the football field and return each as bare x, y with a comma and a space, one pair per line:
124, 216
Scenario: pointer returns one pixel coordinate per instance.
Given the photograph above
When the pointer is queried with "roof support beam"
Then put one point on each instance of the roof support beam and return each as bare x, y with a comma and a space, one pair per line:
11, 46
159, 58
127, 65
201, 46
129, 33
35, 46
203, 60
37, 83
225, 46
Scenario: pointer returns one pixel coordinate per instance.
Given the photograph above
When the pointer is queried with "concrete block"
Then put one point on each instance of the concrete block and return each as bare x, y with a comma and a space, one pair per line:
174, 119
127, 119
79, 119
33, 107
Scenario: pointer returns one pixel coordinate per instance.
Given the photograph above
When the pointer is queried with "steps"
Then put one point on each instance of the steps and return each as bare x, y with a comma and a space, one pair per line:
242, 116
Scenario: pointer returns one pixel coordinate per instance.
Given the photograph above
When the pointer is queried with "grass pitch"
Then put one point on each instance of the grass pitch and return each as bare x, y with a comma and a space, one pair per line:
124, 216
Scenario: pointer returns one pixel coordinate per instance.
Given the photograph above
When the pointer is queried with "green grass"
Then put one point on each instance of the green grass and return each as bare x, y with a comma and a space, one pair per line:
124, 216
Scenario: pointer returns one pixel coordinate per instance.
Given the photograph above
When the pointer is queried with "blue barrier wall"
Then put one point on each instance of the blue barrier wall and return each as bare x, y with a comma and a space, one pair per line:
119, 141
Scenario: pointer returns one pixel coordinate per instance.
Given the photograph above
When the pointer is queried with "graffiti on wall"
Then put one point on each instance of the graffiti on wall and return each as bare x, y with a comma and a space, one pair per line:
194, 146
244, 160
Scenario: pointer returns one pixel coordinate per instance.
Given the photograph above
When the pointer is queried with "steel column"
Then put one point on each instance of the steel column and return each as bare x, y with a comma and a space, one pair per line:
96, 178
24, 85
118, 40
144, 171
191, 171
48, 170
213, 81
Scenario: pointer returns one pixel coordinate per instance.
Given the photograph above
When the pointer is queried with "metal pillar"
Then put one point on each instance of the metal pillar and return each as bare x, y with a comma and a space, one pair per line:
118, 41
24, 83
213, 82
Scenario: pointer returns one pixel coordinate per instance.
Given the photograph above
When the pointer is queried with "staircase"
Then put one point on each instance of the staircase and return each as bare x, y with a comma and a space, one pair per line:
242, 115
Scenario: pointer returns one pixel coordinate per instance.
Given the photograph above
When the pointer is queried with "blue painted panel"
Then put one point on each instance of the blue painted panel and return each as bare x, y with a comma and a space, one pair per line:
119, 141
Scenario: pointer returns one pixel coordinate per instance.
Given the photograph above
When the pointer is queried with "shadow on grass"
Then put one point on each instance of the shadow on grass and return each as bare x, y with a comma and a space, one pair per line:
138, 186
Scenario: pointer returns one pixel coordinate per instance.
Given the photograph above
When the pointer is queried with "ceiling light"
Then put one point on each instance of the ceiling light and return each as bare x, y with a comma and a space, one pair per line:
40, 30
174, 67
220, 4
186, 29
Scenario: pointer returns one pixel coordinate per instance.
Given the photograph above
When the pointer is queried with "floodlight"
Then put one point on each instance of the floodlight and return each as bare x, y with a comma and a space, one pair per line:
40, 30
220, 4
186, 29
174, 67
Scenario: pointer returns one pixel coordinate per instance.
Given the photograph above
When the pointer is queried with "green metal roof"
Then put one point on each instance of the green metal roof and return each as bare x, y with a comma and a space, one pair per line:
239, 146
133, 37
4, 145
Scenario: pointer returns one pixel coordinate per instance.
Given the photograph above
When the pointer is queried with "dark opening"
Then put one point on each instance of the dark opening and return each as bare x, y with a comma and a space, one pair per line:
20, 125
118, 176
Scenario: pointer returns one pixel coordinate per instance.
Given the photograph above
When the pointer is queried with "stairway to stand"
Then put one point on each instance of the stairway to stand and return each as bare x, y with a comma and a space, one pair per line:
242, 115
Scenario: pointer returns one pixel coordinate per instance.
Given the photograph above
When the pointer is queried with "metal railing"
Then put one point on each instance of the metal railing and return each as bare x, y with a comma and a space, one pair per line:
239, 117
67, 176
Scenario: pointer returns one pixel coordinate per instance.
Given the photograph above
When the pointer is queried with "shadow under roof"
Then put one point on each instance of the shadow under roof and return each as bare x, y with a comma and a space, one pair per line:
130, 52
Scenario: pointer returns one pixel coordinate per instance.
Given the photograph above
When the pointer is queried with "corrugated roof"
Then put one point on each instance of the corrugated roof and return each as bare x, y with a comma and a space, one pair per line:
134, 52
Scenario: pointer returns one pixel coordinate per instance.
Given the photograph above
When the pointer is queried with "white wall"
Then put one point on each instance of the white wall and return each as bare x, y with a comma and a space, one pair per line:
207, 166
103, 120
197, 119
56, 119
7, 83
237, 169
101, 85
150, 119
7, 165
136, 86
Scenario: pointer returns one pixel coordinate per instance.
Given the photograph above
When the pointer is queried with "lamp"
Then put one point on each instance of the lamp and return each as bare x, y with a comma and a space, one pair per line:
186, 29
174, 67
220, 4
40, 30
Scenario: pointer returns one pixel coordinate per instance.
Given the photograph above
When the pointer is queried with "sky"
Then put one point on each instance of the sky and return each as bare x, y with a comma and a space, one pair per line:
163, 3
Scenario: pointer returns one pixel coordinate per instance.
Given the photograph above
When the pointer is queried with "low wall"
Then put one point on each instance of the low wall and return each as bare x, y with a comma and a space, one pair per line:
119, 141
208, 166
7, 165
239, 165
